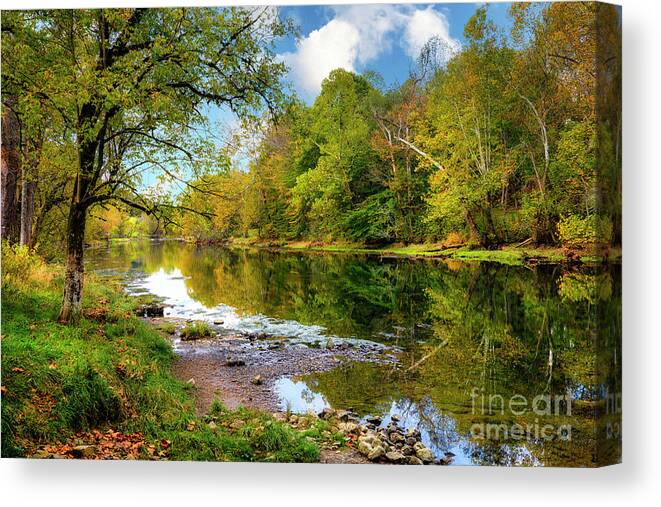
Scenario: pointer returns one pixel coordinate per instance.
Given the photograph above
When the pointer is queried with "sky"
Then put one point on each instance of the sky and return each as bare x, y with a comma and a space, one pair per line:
385, 38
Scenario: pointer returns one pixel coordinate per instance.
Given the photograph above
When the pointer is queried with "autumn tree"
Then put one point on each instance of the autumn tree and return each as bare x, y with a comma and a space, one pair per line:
130, 84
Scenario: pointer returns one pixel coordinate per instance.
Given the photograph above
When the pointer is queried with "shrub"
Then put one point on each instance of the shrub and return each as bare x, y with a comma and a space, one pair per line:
575, 231
23, 268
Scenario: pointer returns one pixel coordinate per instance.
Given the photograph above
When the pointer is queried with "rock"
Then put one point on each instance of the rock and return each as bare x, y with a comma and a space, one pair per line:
344, 415
394, 418
407, 450
42, 454
348, 427
150, 310
447, 459
395, 456
219, 322
364, 448
83, 451
375, 420
376, 453
396, 438
235, 362
418, 445
212, 425
413, 433
367, 439
424, 454
411, 441
258, 380
413, 460
326, 413
392, 428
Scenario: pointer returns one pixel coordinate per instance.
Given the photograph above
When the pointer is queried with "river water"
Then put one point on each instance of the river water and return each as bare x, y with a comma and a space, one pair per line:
499, 365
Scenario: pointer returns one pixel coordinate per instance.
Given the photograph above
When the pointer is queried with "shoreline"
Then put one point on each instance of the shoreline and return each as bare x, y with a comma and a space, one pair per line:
510, 254
506, 255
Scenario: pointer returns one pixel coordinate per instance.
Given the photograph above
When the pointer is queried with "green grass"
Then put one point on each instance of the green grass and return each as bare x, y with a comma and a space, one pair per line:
508, 254
168, 328
196, 330
112, 370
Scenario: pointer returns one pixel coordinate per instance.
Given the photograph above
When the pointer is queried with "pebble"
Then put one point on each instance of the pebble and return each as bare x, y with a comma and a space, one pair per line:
381, 445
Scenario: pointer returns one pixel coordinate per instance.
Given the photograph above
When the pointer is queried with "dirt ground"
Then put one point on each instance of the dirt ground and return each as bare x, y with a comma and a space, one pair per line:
241, 371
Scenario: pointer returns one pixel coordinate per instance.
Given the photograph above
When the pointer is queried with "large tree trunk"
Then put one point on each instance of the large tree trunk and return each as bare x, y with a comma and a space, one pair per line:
31, 159
10, 170
27, 209
73, 278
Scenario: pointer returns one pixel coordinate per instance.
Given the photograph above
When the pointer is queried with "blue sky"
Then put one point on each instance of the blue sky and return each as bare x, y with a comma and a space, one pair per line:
384, 38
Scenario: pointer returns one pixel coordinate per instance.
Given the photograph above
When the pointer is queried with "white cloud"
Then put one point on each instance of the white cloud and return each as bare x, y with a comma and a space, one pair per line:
422, 25
358, 34
334, 45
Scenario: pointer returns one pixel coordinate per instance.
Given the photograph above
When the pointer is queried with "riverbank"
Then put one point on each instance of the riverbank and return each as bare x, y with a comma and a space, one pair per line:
509, 254
122, 384
104, 388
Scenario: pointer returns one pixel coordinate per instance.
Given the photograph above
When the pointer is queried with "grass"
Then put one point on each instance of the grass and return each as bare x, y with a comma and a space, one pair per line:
196, 330
508, 254
168, 328
111, 372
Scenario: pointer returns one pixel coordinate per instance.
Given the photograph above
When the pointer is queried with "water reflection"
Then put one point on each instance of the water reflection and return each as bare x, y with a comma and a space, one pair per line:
509, 333
297, 397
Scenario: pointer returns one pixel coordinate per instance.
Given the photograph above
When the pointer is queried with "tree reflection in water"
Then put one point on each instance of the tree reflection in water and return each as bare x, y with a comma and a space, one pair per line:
505, 331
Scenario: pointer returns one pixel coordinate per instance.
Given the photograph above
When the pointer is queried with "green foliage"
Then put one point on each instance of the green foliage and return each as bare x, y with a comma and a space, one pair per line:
580, 287
196, 330
373, 220
575, 231
21, 268
490, 147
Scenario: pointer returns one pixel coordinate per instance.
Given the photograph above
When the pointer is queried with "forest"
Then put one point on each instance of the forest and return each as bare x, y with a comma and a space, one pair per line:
499, 146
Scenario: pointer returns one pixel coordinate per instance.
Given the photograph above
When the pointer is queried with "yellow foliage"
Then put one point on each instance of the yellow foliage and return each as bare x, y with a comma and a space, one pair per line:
23, 268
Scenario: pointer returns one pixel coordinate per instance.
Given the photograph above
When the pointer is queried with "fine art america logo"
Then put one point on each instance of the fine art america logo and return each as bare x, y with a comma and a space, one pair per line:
541, 407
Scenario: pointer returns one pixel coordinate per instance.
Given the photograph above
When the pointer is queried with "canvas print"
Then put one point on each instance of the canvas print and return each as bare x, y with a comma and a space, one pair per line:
355, 234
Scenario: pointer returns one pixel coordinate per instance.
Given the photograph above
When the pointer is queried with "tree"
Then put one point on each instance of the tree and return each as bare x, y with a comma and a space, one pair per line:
130, 83
462, 127
555, 79
340, 126
10, 169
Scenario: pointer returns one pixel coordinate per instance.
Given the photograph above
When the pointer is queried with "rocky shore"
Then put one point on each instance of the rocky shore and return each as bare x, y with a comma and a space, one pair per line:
241, 370
375, 442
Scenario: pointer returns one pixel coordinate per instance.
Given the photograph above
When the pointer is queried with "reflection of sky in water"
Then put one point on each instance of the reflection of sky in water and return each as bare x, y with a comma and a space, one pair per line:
437, 430
297, 397
181, 303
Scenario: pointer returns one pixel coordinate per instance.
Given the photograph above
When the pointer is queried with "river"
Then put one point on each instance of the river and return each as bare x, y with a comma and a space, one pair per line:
498, 365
